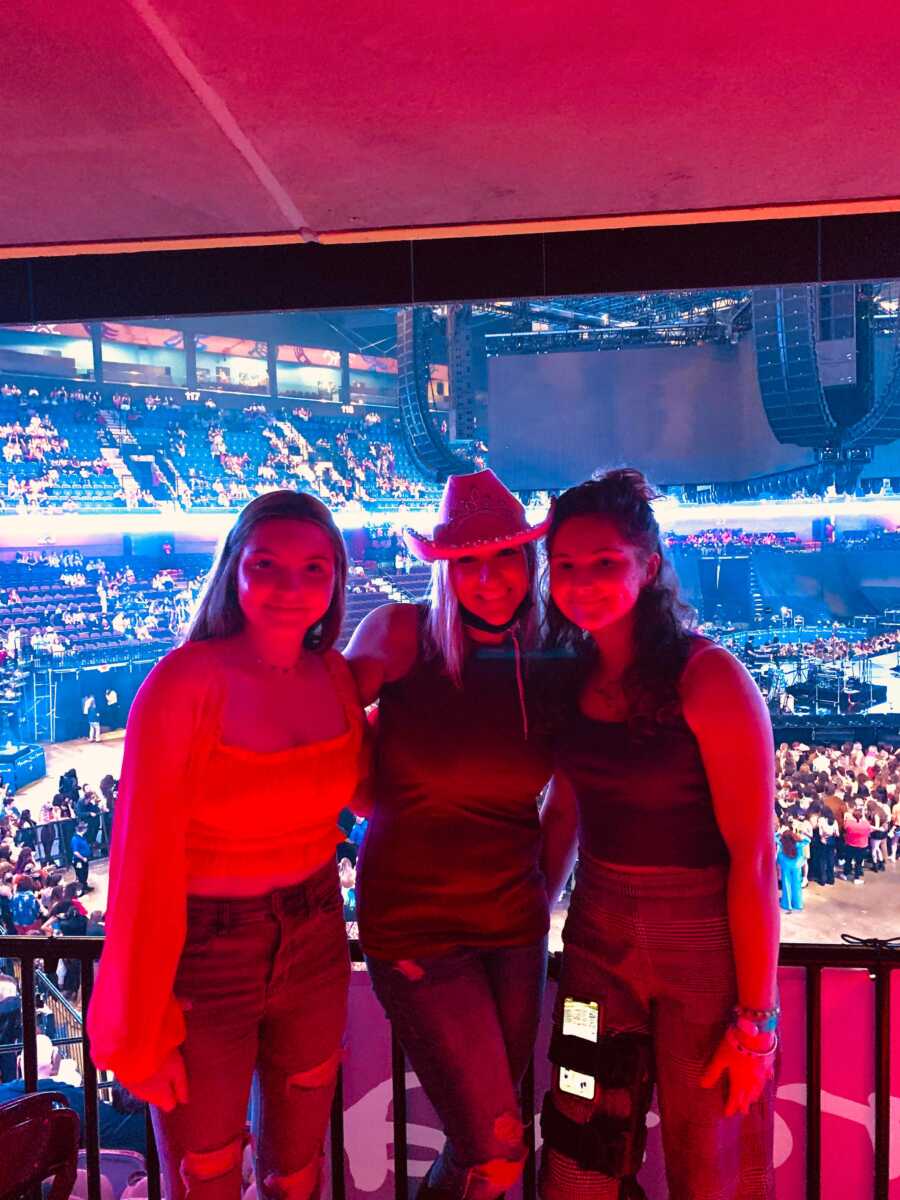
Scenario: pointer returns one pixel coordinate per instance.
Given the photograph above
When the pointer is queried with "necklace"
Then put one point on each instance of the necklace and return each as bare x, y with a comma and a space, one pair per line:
291, 670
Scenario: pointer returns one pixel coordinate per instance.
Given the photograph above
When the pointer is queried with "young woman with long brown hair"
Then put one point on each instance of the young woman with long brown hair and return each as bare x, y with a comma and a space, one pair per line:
225, 954
666, 781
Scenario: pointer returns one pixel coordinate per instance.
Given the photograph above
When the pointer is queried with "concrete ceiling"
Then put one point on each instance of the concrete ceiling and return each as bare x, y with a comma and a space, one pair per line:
152, 122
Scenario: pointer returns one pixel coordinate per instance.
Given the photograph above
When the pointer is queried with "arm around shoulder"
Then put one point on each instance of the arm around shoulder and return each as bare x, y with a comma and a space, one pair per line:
383, 648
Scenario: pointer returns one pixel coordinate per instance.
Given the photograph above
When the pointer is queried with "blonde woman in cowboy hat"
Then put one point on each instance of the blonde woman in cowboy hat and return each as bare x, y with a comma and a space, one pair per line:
452, 907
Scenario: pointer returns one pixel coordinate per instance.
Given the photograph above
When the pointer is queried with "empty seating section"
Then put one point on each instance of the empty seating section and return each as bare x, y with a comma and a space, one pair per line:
411, 583
49, 614
76, 608
52, 454
91, 450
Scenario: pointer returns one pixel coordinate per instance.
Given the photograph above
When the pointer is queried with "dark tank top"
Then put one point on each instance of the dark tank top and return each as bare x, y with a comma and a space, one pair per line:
451, 854
643, 797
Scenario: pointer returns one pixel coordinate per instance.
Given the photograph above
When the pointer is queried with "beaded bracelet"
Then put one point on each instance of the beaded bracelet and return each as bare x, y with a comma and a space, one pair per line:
774, 1011
756, 1020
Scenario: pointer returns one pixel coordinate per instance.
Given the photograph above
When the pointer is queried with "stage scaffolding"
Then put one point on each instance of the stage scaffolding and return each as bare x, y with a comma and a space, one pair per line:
42, 706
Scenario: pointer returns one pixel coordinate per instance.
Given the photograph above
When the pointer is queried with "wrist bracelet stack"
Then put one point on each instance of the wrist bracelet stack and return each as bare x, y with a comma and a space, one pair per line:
734, 1040
754, 1021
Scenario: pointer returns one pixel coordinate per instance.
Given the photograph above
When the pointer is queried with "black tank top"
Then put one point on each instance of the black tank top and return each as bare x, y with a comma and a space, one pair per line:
643, 797
451, 853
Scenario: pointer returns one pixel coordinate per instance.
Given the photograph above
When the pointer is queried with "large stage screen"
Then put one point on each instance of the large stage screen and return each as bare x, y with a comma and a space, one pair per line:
687, 414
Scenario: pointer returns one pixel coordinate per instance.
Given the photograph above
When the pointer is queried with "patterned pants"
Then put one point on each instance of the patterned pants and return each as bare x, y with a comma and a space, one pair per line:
655, 950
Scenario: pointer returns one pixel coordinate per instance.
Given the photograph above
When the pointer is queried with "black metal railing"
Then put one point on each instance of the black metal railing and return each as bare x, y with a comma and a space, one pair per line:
878, 958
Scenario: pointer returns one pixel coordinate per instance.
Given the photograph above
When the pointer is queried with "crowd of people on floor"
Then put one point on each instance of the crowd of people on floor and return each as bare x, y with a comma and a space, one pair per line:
837, 814
37, 855
730, 539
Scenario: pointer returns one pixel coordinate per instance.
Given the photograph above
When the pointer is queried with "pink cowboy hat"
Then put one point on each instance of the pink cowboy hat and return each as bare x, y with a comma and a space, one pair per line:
477, 513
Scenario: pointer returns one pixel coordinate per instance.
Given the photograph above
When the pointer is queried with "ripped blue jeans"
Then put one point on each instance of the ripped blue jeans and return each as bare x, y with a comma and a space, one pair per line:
263, 982
467, 1021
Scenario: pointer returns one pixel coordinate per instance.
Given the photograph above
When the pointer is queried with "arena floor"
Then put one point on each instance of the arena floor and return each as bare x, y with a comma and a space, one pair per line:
872, 910
92, 760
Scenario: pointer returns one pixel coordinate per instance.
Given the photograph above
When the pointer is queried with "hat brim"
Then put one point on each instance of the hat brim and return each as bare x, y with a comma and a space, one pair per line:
430, 551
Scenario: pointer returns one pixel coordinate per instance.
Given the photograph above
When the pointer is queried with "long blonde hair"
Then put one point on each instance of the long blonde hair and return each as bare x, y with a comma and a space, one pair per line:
444, 636
218, 612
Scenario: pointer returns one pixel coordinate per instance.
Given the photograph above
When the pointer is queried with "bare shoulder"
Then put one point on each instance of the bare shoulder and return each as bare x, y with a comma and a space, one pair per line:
717, 689
384, 632
184, 675
383, 648
710, 664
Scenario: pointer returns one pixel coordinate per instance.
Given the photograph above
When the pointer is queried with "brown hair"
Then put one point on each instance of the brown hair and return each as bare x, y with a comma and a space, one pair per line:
662, 619
218, 613
788, 844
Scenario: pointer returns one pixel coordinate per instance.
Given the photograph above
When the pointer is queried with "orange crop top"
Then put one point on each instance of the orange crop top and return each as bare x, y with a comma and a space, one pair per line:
301, 790
176, 820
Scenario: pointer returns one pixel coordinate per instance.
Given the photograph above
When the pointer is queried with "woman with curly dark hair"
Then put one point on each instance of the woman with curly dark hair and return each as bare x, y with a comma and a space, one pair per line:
666, 779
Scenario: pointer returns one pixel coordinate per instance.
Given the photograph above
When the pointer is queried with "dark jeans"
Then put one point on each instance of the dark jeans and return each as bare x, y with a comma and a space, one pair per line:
81, 867
654, 949
47, 838
66, 828
468, 1022
815, 860
263, 984
855, 860
828, 855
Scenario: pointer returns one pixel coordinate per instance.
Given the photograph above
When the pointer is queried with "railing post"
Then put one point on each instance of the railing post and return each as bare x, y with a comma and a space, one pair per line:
529, 1174
91, 1110
338, 1186
29, 1025
154, 1188
398, 1091
882, 1080
813, 1082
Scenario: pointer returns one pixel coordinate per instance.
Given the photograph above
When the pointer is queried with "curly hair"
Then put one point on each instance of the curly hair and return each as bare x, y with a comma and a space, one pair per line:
663, 621
788, 842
